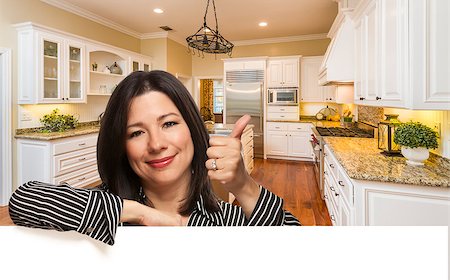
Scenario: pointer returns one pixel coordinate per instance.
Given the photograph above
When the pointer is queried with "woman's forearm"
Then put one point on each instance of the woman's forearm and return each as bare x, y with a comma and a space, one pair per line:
248, 196
136, 213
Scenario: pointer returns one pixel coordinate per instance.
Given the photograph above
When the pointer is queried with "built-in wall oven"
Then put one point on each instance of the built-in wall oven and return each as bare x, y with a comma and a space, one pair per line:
282, 96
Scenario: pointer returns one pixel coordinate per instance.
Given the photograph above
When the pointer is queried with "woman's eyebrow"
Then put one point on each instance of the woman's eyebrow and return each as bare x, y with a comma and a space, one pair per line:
167, 115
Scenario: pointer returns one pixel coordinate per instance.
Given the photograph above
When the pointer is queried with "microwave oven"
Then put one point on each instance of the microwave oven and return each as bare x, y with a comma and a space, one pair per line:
280, 96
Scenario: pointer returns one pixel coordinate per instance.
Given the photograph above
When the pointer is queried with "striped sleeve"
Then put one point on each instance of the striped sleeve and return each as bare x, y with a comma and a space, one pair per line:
269, 211
95, 213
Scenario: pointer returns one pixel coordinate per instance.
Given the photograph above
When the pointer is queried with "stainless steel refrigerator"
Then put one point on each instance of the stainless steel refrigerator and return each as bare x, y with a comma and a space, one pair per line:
244, 95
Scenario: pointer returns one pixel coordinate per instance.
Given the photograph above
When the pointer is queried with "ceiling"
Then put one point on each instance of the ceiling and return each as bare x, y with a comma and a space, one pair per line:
238, 19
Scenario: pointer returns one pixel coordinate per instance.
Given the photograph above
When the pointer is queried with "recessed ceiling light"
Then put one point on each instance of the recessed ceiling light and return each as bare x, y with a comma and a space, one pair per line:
158, 11
262, 24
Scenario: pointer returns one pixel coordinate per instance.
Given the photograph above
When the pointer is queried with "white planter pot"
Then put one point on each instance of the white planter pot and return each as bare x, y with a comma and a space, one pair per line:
415, 156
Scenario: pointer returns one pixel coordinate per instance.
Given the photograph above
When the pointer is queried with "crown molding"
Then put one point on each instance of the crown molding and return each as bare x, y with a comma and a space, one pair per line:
91, 16
281, 39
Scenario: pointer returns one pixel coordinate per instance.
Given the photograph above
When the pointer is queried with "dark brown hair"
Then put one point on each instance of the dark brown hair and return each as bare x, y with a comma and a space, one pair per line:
115, 171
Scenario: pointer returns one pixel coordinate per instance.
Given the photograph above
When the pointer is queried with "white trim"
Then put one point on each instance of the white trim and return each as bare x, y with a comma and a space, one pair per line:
281, 39
5, 133
91, 16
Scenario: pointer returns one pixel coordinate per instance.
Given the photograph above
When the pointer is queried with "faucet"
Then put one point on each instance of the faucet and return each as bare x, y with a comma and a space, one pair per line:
99, 119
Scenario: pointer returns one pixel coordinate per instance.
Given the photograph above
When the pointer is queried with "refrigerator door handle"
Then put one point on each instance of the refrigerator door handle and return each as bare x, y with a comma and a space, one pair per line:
261, 106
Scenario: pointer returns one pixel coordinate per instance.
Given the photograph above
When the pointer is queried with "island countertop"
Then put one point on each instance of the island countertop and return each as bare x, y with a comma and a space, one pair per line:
362, 160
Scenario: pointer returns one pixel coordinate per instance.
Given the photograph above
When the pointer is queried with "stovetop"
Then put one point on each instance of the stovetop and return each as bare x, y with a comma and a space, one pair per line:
345, 132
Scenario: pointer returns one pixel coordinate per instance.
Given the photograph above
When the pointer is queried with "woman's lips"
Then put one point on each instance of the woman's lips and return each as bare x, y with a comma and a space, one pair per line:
161, 163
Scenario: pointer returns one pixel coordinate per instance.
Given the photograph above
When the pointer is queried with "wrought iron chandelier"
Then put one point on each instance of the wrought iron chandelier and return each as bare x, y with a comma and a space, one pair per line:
208, 40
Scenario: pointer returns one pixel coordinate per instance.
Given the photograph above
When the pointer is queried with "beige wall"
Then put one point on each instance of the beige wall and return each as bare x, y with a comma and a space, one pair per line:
179, 61
211, 65
157, 49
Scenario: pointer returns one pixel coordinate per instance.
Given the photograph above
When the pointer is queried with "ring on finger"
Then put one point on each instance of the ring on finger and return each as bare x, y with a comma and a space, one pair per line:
214, 165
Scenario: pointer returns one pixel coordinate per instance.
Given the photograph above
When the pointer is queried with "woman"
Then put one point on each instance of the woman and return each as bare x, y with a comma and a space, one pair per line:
152, 152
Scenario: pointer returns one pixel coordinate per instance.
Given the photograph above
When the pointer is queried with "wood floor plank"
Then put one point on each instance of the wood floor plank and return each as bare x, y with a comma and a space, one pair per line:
295, 182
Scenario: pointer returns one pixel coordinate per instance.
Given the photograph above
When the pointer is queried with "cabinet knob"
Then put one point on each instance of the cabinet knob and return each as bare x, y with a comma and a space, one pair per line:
332, 217
341, 183
82, 144
81, 159
377, 98
361, 98
331, 165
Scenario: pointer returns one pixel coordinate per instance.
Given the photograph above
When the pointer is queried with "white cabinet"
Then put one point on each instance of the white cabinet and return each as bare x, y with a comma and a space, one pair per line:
72, 160
363, 203
51, 67
289, 140
282, 113
283, 72
401, 56
311, 91
139, 63
233, 64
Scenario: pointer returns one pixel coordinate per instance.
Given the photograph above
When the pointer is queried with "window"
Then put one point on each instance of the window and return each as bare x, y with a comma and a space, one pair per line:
218, 97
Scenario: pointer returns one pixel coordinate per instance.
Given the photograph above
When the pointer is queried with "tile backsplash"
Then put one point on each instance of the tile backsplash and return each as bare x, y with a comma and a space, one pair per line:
371, 115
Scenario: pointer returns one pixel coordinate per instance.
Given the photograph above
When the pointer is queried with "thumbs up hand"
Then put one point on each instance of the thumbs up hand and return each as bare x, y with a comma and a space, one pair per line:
225, 164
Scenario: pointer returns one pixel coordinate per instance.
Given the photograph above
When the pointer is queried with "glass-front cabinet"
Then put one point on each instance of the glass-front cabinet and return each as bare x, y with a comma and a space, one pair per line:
51, 67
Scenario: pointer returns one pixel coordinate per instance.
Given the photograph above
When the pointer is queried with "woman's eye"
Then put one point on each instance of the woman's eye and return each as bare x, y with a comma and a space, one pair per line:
136, 133
169, 124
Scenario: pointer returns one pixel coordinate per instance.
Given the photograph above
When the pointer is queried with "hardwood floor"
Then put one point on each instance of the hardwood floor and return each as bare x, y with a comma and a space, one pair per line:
294, 181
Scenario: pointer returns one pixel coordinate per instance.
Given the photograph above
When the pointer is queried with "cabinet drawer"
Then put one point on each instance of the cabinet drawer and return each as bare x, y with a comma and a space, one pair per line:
73, 161
282, 109
80, 178
299, 127
75, 144
283, 116
331, 162
277, 126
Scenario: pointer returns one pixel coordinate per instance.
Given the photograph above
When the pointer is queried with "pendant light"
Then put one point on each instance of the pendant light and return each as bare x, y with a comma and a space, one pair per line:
208, 40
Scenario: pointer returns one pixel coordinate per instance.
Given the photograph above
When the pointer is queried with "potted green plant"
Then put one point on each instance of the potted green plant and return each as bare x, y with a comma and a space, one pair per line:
56, 122
416, 139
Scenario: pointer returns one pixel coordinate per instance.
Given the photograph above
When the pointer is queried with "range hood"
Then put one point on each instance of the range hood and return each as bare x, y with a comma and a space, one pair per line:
338, 63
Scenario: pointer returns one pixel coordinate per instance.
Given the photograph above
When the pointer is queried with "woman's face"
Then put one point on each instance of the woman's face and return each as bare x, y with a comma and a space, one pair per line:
158, 142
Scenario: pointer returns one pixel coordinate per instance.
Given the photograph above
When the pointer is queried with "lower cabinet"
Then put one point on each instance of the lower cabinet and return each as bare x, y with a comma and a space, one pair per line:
289, 140
369, 203
72, 160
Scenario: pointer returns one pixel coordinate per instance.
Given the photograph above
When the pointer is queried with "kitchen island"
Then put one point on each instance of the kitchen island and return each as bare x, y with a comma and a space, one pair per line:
364, 187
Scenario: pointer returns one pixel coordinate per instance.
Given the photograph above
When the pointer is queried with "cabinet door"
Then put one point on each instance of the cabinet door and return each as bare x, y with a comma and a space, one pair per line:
50, 68
74, 90
299, 145
275, 75
345, 214
310, 89
290, 73
328, 93
392, 28
371, 54
359, 60
277, 143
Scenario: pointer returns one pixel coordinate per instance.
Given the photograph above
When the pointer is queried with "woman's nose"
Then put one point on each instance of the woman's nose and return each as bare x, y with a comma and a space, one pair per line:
156, 141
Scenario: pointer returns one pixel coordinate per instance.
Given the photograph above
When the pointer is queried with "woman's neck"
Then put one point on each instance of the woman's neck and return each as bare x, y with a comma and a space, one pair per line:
166, 198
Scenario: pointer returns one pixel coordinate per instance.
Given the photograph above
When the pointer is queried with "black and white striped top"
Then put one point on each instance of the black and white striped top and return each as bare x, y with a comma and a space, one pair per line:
96, 213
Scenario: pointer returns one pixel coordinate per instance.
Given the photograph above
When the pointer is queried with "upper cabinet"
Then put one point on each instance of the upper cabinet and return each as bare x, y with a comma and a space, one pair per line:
283, 72
51, 67
236, 64
56, 67
311, 91
401, 54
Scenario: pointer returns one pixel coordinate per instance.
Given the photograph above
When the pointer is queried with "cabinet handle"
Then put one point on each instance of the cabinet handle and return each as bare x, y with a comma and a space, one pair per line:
377, 98
82, 179
341, 183
82, 144
281, 109
81, 159
325, 172
361, 98
281, 116
332, 188
325, 196
277, 127
332, 217
331, 165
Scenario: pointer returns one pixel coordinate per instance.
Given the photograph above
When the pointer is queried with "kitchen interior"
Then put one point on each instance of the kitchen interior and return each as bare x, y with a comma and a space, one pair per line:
326, 92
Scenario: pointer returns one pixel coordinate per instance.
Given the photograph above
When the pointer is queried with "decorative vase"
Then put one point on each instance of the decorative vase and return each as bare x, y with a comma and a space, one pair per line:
415, 156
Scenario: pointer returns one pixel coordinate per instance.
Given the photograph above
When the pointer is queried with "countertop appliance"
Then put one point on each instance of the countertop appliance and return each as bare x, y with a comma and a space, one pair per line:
244, 95
282, 96
361, 130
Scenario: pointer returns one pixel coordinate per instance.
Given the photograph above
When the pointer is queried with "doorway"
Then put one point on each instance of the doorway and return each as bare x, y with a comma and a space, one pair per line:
211, 98
5, 126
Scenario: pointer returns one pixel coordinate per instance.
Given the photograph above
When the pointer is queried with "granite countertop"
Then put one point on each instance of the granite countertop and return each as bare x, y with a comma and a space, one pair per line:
362, 160
37, 134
